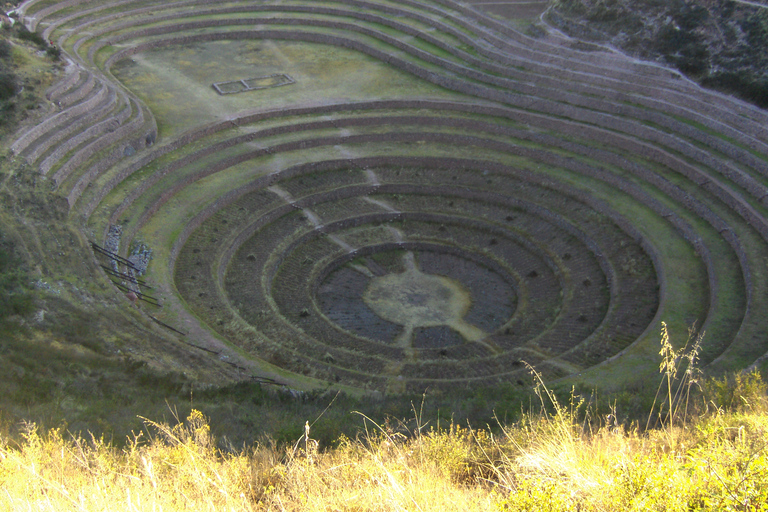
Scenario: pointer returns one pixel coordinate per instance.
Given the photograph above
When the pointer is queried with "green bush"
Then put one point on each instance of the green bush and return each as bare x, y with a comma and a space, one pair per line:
571, 7
33, 37
688, 16
737, 392
33, 390
742, 84
17, 304
53, 52
15, 297
7, 85
5, 49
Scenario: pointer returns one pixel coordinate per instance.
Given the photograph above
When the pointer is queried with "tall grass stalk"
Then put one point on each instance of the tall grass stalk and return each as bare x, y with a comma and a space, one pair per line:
677, 390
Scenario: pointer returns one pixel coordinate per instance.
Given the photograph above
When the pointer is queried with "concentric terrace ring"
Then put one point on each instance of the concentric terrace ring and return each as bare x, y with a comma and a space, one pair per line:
519, 201
362, 272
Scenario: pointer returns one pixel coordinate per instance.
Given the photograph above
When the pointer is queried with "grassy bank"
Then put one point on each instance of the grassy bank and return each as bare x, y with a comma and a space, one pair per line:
556, 457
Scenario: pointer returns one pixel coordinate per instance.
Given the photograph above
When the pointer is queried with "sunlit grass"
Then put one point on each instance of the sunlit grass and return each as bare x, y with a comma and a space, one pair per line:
557, 457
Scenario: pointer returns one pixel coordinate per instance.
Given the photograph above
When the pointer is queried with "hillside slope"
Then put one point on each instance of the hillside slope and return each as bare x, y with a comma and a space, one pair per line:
720, 43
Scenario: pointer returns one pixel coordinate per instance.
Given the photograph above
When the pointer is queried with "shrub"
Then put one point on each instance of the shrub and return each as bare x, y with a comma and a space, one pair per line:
53, 52
742, 84
5, 49
7, 85
15, 299
572, 7
33, 37
737, 392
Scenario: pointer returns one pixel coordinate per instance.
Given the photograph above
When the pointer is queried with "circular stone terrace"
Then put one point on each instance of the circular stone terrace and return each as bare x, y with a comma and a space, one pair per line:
433, 199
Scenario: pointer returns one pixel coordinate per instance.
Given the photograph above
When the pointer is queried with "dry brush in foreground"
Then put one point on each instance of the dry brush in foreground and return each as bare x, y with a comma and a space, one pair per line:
547, 461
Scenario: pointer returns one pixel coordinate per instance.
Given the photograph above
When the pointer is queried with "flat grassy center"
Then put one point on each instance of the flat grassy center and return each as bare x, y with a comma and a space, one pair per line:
415, 299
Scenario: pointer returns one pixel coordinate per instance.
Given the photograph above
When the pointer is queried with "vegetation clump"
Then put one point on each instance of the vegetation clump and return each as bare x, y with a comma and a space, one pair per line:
15, 297
555, 458
20, 71
8, 80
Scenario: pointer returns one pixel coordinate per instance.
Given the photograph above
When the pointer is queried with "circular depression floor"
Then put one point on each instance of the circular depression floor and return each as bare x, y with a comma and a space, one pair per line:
375, 276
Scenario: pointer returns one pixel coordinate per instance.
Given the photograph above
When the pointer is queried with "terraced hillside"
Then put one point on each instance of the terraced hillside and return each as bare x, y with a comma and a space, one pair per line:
405, 194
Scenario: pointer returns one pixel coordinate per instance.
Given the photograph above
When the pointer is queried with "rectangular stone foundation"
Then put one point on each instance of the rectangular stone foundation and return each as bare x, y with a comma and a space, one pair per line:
252, 84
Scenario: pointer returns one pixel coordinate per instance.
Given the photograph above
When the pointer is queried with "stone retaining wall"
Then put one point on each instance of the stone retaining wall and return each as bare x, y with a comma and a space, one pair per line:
80, 91
71, 77
86, 152
51, 139
57, 121
94, 130
138, 134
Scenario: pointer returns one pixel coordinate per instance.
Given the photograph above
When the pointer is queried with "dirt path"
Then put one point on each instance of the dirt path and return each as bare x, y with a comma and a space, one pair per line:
511, 9
753, 4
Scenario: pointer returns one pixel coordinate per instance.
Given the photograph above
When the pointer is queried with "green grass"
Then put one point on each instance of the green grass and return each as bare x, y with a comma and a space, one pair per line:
174, 82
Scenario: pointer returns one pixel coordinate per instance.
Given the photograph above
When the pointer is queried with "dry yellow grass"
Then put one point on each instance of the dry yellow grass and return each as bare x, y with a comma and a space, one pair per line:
181, 469
552, 460
546, 462
559, 458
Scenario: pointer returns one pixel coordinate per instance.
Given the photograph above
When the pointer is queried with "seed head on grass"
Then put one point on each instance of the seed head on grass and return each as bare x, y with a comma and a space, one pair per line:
677, 390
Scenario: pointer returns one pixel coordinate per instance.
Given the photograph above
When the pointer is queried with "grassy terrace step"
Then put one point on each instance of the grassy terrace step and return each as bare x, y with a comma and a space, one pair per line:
670, 123
425, 122
594, 194
56, 121
758, 191
670, 105
42, 141
396, 10
93, 127
183, 155
449, 121
78, 91
229, 225
59, 141
72, 138
755, 188
73, 74
488, 110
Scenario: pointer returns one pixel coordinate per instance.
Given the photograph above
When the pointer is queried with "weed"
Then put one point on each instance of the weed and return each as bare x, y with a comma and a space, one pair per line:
674, 406
739, 392
548, 461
